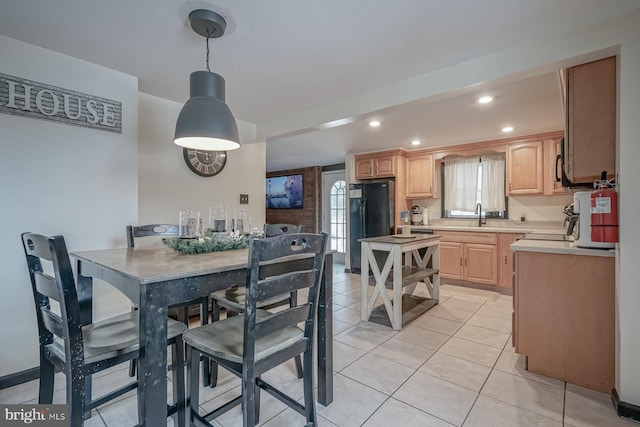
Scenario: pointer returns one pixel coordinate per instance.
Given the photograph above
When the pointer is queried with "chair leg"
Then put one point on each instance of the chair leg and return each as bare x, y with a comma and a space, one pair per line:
204, 319
88, 396
213, 366
177, 375
249, 416
257, 405
309, 403
132, 367
76, 393
47, 374
298, 361
193, 388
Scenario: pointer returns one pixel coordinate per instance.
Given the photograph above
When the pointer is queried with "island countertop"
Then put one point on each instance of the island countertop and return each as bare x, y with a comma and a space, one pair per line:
568, 248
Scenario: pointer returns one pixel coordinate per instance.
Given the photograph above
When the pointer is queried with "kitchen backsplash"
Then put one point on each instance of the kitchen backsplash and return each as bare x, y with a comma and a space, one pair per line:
533, 208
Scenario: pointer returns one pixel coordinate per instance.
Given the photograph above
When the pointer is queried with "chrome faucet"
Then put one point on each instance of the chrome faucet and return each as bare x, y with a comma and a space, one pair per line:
479, 212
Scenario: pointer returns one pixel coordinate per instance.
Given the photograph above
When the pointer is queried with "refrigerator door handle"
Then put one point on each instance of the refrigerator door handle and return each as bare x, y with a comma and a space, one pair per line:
363, 208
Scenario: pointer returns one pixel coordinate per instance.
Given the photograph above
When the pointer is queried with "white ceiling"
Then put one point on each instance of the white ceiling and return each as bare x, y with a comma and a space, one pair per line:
286, 58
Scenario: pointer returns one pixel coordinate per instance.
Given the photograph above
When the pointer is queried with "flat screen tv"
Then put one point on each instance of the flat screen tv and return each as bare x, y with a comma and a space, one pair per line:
285, 192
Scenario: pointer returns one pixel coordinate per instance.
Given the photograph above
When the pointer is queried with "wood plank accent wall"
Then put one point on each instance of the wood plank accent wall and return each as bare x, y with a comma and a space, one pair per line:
311, 214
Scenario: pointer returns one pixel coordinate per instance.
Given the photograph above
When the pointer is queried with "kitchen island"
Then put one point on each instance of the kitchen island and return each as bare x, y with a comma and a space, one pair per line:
400, 277
564, 311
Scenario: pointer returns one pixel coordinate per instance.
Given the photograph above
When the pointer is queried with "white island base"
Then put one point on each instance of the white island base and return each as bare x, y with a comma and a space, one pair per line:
421, 264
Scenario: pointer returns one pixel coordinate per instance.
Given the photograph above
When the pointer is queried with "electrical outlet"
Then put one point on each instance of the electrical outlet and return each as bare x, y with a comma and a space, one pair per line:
244, 199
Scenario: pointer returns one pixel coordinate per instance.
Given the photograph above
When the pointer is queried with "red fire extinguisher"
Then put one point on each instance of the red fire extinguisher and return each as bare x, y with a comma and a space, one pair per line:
604, 214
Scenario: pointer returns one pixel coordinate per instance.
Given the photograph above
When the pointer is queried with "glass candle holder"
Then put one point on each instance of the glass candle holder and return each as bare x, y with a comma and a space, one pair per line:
243, 222
218, 218
189, 223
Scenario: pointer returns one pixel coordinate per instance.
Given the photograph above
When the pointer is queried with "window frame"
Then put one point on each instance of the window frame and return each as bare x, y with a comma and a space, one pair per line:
491, 214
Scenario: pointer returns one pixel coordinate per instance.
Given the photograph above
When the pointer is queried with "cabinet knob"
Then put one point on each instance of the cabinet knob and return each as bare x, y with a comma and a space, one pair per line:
465, 262
509, 186
505, 259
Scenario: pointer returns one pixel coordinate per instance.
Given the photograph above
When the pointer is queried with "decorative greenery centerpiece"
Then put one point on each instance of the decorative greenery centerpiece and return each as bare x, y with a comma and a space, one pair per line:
208, 242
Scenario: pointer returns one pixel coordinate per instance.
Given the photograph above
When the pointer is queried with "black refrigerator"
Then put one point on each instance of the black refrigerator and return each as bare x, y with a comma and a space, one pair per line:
371, 214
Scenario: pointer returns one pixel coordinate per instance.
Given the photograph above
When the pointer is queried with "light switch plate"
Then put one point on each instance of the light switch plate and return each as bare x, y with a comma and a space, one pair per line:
244, 199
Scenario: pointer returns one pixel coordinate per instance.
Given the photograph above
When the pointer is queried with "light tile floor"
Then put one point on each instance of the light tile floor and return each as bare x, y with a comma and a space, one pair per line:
454, 366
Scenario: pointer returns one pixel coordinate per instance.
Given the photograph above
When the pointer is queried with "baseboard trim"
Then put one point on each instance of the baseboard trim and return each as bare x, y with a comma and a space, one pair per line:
624, 409
19, 377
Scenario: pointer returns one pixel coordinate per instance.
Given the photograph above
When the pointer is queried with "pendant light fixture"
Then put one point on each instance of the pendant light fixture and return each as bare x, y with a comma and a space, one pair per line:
206, 122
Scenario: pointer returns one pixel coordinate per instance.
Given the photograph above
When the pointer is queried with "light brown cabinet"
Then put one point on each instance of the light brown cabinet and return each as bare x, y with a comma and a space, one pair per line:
469, 256
525, 168
564, 320
505, 259
420, 176
591, 120
376, 166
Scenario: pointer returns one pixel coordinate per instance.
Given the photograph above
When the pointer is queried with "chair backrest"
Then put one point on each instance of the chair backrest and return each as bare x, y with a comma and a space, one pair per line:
60, 286
134, 231
273, 271
271, 230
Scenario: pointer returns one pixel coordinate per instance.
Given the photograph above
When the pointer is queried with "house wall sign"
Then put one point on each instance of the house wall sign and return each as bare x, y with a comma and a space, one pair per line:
22, 97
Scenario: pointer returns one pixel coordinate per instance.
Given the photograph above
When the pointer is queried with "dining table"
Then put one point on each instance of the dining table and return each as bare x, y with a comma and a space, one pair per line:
156, 277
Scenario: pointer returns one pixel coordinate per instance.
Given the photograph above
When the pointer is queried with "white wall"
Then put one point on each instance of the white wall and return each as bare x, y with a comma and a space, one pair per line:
166, 185
60, 179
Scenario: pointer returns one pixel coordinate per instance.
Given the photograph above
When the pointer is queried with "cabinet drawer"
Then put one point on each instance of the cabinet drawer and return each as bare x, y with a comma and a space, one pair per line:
468, 237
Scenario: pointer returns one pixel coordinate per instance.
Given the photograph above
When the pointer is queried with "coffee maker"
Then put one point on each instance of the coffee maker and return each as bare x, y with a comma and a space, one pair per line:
416, 215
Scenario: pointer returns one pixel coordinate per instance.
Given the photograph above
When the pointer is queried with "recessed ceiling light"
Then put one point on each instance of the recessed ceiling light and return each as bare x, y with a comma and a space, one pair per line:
507, 129
374, 123
416, 142
485, 99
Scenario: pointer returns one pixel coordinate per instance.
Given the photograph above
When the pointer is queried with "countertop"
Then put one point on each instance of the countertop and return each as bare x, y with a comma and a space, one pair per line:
568, 248
547, 227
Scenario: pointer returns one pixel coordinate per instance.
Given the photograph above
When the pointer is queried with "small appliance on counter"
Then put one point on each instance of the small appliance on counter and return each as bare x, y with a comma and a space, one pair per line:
582, 207
416, 215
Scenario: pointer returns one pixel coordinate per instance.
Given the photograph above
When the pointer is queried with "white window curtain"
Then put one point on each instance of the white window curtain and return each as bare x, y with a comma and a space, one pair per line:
461, 174
492, 182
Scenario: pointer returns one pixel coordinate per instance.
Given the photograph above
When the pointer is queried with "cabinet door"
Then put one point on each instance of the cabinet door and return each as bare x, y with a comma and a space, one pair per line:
480, 263
364, 168
591, 120
505, 259
524, 168
451, 260
385, 166
420, 176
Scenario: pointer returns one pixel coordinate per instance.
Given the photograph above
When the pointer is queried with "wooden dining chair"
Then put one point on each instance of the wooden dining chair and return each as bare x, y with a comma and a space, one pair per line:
179, 312
233, 298
72, 343
256, 341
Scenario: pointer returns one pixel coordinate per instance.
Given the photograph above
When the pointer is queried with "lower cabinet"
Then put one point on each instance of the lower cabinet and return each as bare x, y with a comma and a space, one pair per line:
505, 259
564, 317
469, 256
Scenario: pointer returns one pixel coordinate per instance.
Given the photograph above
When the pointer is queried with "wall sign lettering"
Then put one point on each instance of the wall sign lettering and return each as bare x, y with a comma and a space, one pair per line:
21, 97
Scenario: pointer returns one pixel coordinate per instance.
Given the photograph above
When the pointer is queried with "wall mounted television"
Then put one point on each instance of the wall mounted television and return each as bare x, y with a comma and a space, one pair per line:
285, 192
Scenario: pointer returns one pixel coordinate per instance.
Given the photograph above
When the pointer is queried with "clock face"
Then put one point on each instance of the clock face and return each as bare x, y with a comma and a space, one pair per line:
205, 163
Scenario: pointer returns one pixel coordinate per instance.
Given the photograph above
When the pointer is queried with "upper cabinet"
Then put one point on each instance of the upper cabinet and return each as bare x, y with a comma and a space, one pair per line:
525, 168
420, 176
590, 143
376, 165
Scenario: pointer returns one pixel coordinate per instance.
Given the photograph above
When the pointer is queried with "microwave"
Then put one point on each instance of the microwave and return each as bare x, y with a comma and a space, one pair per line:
562, 165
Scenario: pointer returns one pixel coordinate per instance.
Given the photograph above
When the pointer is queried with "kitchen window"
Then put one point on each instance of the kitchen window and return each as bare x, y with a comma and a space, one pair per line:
471, 181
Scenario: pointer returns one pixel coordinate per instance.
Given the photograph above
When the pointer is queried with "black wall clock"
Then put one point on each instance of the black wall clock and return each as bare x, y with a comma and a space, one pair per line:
204, 163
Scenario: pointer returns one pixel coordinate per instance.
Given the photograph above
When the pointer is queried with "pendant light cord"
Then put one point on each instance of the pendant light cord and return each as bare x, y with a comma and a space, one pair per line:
208, 69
